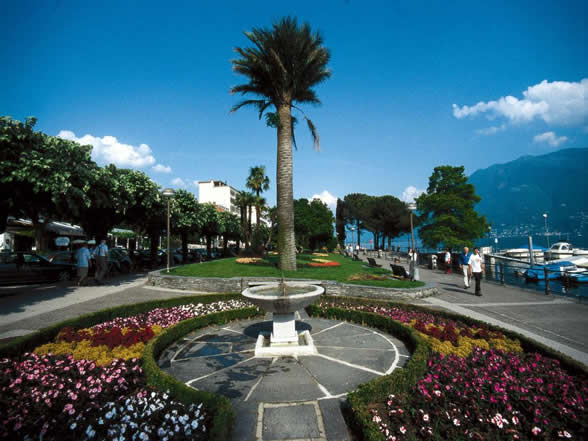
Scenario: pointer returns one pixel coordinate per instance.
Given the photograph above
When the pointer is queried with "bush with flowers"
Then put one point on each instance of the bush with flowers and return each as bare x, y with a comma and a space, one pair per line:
89, 383
479, 384
249, 260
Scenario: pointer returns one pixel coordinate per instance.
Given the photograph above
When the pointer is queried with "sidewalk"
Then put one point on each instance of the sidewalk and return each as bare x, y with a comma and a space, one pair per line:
555, 321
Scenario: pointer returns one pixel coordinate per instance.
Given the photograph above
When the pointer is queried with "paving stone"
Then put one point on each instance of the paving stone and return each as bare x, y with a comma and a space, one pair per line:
237, 381
379, 360
290, 422
335, 425
188, 369
286, 380
350, 336
335, 377
245, 420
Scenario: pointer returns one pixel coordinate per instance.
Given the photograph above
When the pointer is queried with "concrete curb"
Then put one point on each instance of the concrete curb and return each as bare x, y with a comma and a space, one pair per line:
238, 284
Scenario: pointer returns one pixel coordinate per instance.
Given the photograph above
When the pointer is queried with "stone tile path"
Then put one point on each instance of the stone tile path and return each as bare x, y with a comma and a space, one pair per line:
285, 398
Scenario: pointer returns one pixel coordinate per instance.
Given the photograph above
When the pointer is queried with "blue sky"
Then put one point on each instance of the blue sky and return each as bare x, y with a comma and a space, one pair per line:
147, 83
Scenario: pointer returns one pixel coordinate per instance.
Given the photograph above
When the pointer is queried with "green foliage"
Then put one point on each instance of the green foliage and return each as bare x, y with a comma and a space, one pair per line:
313, 223
447, 212
42, 176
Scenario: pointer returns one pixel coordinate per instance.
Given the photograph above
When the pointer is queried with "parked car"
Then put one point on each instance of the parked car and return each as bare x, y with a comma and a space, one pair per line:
119, 260
16, 268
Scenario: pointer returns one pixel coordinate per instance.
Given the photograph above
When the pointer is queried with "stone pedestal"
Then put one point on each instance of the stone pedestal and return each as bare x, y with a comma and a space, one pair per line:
284, 329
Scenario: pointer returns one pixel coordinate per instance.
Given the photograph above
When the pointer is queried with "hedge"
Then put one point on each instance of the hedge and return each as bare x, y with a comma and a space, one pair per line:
400, 380
220, 407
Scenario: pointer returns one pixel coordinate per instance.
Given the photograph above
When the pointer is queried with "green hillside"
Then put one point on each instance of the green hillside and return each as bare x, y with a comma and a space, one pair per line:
520, 191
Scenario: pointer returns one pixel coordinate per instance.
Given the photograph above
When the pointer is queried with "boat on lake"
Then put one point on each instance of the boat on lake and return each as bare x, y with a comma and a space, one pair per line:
559, 250
555, 270
522, 252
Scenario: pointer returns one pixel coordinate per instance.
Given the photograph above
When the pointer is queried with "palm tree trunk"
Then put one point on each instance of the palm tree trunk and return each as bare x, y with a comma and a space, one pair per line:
286, 240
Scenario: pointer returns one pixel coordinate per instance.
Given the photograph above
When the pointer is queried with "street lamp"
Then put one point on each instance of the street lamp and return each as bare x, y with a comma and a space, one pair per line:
489, 244
546, 235
168, 193
413, 269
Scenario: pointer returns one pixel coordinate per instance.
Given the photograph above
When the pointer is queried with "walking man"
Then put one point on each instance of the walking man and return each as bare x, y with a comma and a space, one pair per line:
477, 269
464, 264
83, 263
101, 254
447, 261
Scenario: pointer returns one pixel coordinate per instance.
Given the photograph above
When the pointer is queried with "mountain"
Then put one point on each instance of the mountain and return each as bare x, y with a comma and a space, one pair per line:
517, 193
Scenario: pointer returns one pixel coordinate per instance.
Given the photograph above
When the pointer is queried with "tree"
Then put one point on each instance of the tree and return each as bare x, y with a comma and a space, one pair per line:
230, 228
386, 217
356, 211
210, 225
313, 223
284, 64
258, 182
184, 217
447, 212
43, 177
340, 221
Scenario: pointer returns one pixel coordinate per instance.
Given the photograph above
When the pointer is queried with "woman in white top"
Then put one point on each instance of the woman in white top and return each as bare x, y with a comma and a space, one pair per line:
477, 269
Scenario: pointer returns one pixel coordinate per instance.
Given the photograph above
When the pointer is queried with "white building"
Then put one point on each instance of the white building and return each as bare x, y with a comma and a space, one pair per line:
222, 195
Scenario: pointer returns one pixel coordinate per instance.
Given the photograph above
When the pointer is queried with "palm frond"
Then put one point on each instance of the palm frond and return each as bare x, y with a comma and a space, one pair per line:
315, 135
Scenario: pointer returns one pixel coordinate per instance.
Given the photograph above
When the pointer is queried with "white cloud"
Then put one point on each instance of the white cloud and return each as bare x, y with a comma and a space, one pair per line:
493, 130
195, 183
110, 151
550, 138
410, 193
160, 168
178, 182
327, 198
557, 103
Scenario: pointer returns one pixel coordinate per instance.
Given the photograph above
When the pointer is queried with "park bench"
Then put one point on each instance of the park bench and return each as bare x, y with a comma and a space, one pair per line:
398, 270
372, 262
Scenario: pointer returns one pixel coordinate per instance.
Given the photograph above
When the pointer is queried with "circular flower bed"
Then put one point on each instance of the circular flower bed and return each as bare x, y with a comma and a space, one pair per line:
89, 384
479, 385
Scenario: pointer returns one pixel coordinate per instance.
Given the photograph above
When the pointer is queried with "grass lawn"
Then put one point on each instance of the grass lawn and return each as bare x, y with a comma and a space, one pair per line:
268, 268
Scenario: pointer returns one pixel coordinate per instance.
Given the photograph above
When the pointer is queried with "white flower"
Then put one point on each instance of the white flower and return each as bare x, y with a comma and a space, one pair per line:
73, 426
194, 424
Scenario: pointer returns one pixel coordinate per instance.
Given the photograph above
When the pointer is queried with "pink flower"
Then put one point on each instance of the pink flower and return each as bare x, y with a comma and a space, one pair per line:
536, 430
402, 429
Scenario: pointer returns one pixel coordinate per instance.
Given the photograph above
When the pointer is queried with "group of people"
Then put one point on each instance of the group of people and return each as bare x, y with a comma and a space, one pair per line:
83, 258
471, 265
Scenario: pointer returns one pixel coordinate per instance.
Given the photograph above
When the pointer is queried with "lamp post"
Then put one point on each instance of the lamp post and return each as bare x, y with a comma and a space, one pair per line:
546, 235
352, 231
489, 244
413, 269
168, 193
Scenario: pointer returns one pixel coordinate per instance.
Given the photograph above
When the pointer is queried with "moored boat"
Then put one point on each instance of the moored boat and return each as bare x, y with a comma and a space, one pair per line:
559, 250
554, 270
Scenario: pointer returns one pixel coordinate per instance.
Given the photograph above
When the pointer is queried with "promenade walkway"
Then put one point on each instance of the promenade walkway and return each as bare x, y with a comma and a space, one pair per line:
555, 321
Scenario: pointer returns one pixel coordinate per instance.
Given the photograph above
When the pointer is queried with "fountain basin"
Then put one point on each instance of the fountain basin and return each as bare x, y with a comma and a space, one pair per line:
284, 340
269, 298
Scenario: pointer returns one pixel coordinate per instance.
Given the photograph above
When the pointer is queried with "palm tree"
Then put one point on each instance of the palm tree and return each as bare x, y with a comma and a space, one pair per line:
282, 67
258, 182
245, 201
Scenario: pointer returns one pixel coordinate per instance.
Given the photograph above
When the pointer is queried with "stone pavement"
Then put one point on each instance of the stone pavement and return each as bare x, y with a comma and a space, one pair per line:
556, 321
285, 398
